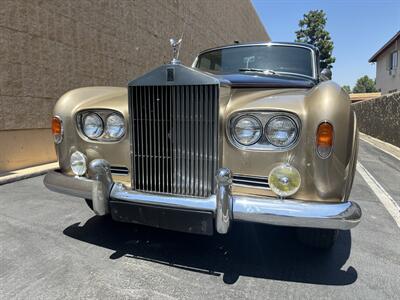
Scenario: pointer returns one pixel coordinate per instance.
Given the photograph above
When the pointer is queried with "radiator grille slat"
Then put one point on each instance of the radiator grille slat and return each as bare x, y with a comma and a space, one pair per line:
174, 138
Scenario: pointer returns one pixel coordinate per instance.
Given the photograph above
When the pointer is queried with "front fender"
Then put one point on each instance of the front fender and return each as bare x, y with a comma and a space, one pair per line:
322, 179
114, 98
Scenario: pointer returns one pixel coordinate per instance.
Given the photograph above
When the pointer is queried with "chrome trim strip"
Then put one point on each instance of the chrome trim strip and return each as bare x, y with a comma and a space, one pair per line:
252, 178
117, 170
249, 181
259, 187
288, 44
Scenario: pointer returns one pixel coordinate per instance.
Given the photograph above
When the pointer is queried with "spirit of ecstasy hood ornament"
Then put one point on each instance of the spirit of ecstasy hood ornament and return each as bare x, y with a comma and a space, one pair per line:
176, 45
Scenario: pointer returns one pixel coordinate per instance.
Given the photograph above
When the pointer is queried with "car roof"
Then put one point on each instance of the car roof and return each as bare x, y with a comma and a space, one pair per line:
294, 44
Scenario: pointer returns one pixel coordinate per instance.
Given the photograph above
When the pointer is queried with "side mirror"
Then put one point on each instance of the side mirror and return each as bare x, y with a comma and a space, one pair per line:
326, 74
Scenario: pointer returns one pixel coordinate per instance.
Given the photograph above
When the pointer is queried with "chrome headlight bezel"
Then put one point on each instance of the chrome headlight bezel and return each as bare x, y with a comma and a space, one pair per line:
100, 126
103, 114
264, 117
256, 122
108, 133
289, 141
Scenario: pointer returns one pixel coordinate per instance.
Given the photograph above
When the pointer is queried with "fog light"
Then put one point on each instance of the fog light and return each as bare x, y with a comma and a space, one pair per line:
284, 180
78, 163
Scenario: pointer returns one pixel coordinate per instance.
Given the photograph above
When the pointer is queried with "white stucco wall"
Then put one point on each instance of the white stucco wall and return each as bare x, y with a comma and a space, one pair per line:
385, 81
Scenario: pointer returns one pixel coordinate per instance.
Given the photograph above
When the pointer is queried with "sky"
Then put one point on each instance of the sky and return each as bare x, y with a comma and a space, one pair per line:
358, 29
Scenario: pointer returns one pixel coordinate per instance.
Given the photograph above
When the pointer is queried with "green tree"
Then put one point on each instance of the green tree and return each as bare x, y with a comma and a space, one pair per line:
347, 89
364, 85
312, 31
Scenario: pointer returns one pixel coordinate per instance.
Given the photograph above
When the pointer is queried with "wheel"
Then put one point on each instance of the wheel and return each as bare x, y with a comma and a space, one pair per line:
89, 203
317, 238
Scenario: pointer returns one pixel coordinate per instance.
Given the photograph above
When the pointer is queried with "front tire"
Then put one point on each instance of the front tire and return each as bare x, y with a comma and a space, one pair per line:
317, 238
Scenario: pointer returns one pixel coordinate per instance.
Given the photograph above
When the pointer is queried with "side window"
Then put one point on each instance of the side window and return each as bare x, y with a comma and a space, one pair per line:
209, 63
204, 63
394, 60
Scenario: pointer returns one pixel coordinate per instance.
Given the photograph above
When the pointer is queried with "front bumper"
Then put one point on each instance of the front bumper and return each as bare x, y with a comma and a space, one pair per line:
223, 207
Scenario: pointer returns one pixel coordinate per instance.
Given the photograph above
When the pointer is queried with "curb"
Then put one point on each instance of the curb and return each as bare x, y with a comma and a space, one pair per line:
381, 145
13, 176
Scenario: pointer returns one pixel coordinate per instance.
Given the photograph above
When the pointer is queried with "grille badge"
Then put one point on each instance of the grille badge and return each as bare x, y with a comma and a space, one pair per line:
170, 74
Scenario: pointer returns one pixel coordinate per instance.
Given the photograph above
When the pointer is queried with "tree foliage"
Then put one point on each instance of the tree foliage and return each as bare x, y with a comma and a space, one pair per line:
364, 85
312, 31
347, 89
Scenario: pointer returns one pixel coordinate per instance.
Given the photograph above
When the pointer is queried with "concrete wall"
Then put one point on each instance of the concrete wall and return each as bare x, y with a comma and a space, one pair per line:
21, 148
380, 117
386, 82
50, 47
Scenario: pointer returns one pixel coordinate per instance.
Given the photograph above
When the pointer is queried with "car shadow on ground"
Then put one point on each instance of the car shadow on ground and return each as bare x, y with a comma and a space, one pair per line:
248, 250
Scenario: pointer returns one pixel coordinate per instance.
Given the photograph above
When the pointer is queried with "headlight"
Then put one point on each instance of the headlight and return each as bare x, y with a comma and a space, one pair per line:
281, 131
115, 127
284, 180
247, 130
92, 126
78, 163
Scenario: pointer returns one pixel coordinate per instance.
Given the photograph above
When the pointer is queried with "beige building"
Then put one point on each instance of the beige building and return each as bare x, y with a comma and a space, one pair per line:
50, 47
387, 66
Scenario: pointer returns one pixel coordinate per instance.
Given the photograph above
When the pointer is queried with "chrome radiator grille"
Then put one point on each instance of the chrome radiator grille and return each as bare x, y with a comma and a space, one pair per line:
174, 138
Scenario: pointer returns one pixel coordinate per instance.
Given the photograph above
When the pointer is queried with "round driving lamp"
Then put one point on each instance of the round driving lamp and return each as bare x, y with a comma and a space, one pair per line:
115, 126
281, 131
78, 163
92, 126
284, 180
247, 130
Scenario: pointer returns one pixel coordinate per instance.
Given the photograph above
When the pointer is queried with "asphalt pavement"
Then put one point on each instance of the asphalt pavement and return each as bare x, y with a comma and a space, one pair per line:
53, 247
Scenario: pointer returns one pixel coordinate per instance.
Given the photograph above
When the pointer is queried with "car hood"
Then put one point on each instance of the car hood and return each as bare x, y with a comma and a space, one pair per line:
264, 81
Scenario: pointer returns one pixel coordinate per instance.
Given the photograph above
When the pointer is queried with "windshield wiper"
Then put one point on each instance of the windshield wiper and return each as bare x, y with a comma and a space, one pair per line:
267, 71
264, 71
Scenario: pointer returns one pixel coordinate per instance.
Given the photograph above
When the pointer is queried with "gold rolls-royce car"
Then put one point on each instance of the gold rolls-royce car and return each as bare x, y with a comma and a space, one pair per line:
250, 132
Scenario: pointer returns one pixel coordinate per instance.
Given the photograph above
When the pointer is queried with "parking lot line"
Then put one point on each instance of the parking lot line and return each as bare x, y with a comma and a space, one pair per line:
383, 196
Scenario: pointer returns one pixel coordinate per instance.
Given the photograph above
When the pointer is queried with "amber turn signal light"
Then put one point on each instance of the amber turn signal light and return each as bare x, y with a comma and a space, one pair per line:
324, 139
57, 129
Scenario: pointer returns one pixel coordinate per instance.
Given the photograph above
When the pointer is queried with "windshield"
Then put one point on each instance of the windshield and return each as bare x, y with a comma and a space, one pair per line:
280, 59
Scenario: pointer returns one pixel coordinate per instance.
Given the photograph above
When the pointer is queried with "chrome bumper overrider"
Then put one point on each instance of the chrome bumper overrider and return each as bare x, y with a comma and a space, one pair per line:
225, 206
